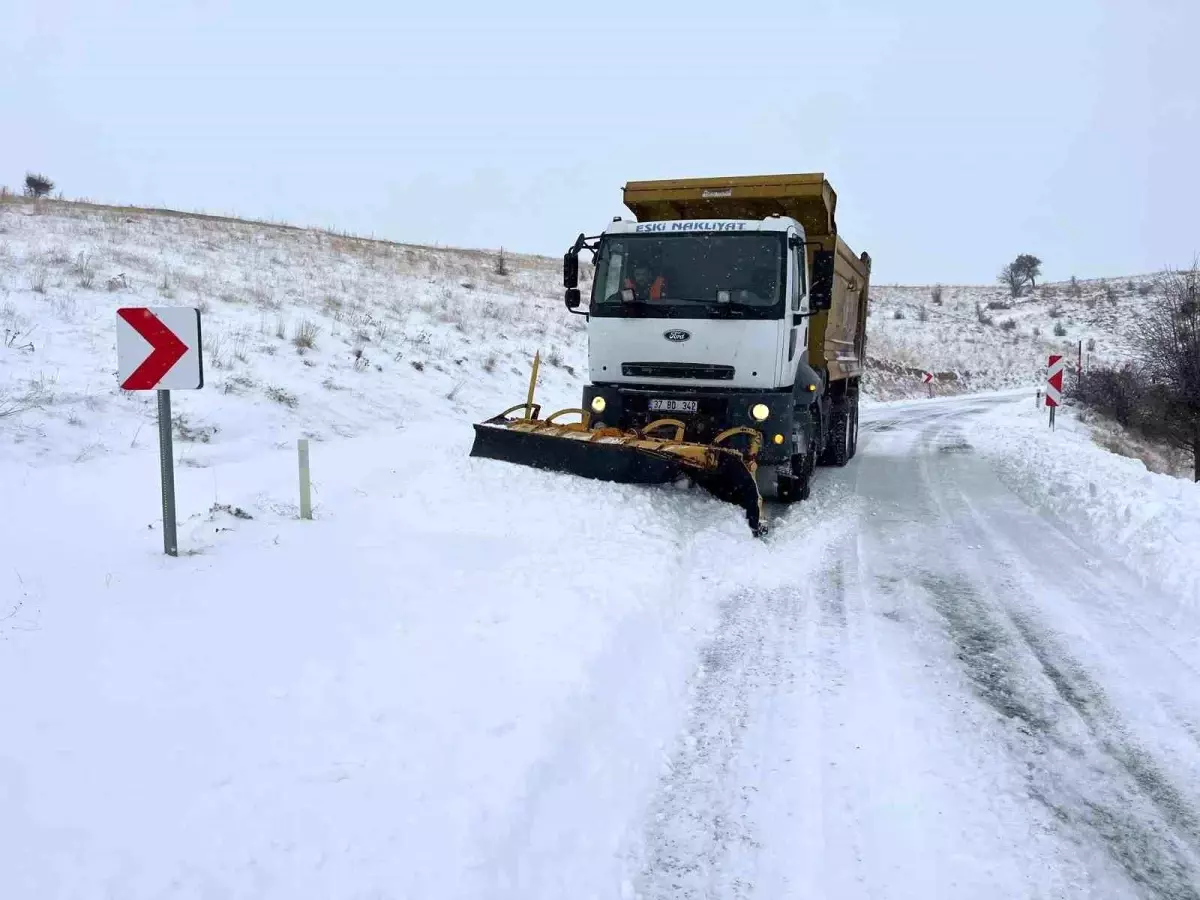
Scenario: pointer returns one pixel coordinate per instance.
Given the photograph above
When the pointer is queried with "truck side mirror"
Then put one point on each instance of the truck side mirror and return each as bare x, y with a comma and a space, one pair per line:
571, 270
820, 293
573, 298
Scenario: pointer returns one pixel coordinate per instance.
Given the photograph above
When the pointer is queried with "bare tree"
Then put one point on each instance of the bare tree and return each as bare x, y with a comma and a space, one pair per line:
1012, 278
37, 185
1169, 335
1029, 267
501, 265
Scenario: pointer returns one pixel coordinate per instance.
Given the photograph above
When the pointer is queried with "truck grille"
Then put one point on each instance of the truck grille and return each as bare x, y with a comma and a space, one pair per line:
676, 370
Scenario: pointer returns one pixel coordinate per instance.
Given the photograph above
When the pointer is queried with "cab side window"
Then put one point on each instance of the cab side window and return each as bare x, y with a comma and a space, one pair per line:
799, 288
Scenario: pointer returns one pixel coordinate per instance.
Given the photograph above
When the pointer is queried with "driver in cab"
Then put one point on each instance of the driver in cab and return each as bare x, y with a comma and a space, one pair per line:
645, 285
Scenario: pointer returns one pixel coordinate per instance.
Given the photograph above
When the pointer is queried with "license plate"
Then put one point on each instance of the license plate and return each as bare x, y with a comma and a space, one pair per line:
686, 406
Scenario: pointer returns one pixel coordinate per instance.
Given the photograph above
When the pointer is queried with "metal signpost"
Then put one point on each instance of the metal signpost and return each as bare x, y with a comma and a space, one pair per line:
158, 349
927, 379
1054, 383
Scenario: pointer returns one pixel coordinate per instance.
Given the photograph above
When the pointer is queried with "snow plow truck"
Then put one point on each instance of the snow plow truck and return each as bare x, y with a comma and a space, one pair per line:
726, 344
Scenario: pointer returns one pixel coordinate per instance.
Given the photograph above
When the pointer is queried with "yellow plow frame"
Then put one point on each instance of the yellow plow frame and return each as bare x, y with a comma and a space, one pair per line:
654, 454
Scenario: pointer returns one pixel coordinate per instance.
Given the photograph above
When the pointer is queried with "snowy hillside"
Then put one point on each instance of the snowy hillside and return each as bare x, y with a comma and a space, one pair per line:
980, 338
305, 333
312, 333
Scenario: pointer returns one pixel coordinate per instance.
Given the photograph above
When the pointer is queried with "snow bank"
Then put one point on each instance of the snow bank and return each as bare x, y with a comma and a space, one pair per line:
1151, 522
462, 678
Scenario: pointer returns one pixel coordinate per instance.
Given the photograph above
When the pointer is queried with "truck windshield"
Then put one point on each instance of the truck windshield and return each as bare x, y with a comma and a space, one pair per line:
690, 275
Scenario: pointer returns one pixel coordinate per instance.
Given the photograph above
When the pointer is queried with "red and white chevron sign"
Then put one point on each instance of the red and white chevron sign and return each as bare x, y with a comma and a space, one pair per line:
1054, 380
927, 378
158, 348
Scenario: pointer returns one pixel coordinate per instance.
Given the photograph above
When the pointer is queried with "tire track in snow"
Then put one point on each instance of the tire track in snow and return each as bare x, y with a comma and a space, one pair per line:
699, 814
701, 839
1082, 764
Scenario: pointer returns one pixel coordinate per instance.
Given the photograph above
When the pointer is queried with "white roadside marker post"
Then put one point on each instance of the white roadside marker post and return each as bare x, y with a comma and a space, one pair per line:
305, 480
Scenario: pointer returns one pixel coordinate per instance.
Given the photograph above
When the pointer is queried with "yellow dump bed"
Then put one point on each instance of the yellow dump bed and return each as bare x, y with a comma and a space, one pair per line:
837, 337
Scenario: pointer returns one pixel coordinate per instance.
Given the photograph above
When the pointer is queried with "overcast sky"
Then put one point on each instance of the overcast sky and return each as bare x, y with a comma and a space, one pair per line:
956, 134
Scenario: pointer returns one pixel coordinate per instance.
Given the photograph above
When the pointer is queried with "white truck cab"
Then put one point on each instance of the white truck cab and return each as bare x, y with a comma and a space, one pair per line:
729, 304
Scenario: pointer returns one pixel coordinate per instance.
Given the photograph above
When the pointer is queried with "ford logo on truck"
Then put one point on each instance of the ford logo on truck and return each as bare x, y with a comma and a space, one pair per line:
678, 335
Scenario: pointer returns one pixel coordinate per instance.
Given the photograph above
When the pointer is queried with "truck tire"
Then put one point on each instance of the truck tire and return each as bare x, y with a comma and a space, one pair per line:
804, 475
799, 486
838, 451
853, 436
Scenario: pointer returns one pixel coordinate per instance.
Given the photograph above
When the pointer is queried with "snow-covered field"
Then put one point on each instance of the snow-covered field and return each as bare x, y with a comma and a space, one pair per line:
467, 679
305, 333
979, 338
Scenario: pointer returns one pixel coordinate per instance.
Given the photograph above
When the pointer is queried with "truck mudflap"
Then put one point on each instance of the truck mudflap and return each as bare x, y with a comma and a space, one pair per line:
644, 456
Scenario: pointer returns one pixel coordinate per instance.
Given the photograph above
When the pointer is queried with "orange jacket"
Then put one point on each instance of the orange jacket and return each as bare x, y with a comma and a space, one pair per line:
656, 289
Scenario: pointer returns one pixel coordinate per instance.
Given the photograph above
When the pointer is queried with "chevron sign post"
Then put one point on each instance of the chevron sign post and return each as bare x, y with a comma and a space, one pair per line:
159, 349
1054, 384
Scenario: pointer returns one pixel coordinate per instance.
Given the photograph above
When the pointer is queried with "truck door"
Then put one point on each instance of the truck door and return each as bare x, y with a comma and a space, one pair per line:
797, 312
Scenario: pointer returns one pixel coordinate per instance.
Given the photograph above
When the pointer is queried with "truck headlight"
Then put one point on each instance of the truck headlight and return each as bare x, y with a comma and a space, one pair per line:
598, 405
759, 412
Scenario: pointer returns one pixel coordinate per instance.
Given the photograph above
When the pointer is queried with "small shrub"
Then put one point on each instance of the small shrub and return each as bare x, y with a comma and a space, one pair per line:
1055, 312
85, 272
164, 285
1060, 330
1008, 325
922, 313
37, 185
489, 364
1109, 293
1130, 287
214, 349
37, 280
192, 434
117, 283
284, 397
898, 315
418, 365
1037, 332
999, 304
280, 328
555, 357
935, 294
1144, 290
304, 337
501, 265
981, 316
1091, 345
1073, 289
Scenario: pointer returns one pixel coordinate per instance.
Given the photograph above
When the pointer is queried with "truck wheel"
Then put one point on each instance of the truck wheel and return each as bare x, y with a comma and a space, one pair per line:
853, 427
795, 483
838, 451
804, 475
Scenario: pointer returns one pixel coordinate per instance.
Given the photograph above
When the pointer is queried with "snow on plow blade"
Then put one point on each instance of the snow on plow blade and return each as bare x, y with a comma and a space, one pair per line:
628, 457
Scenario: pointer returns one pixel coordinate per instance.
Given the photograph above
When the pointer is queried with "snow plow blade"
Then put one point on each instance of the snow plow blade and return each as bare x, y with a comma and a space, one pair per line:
626, 457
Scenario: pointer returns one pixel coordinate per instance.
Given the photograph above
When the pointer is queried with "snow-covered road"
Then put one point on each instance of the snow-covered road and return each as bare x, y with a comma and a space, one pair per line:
467, 680
963, 701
